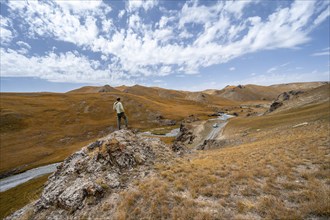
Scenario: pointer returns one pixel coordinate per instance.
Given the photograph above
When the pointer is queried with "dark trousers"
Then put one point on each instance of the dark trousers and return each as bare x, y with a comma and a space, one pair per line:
119, 116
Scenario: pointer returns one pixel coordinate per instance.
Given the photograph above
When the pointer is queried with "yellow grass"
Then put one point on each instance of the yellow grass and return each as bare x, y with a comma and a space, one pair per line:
42, 128
268, 169
274, 174
19, 196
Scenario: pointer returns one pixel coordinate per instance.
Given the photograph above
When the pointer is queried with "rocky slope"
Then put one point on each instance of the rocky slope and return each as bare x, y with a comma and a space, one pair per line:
258, 93
96, 174
299, 98
94, 89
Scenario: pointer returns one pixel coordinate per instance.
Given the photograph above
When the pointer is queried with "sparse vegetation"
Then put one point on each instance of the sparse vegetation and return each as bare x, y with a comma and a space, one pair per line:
268, 168
19, 196
52, 126
268, 178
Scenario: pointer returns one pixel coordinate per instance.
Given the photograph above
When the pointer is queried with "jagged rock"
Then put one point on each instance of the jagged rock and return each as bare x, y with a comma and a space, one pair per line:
191, 118
275, 105
184, 137
185, 134
161, 120
178, 147
211, 144
107, 164
282, 98
94, 145
167, 122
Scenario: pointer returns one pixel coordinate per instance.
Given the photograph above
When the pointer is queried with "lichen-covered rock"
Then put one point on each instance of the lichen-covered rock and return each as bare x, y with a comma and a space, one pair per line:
105, 165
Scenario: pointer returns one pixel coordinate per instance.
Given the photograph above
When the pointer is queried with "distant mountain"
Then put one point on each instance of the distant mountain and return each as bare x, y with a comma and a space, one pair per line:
121, 88
94, 89
154, 92
297, 86
255, 92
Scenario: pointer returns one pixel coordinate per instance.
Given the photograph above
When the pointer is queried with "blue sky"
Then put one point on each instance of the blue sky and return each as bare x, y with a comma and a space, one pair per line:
188, 45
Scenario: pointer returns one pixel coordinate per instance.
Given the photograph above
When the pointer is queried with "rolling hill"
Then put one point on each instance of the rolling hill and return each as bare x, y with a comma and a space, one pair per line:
251, 92
94, 89
50, 126
270, 166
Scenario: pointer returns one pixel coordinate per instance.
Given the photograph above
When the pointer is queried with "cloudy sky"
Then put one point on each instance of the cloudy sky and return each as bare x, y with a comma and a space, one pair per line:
189, 45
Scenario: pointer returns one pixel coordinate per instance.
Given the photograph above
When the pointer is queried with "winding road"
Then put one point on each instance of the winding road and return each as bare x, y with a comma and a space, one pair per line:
216, 131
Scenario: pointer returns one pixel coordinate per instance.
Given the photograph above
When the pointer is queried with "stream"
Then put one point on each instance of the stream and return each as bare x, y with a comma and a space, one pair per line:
15, 180
172, 133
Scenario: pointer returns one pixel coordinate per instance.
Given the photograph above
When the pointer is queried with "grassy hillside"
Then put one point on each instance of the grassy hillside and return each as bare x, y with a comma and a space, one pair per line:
94, 89
17, 197
41, 128
273, 166
251, 92
269, 170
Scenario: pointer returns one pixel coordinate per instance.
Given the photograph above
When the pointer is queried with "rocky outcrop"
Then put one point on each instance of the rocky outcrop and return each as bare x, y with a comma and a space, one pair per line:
107, 88
212, 144
86, 176
161, 120
184, 137
191, 118
285, 96
275, 105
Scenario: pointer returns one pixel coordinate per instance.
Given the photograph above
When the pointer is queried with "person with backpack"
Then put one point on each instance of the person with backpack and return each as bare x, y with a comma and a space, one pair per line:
118, 107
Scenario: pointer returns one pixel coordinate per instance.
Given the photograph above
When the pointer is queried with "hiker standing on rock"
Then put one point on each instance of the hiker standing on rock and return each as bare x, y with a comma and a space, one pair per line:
118, 107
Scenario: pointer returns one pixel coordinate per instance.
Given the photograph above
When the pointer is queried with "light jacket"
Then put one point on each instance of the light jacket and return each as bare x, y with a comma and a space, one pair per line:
118, 107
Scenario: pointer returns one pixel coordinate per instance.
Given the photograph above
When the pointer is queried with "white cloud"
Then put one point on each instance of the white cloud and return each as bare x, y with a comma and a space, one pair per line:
5, 32
171, 46
158, 81
79, 6
134, 5
163, 34
324, 52
322, 16
6, 35
103, 57
50, 19
121, 13
232, 68
192, 13
106, 25
64, 67
24, 47
23, 44
84, 7
272, 69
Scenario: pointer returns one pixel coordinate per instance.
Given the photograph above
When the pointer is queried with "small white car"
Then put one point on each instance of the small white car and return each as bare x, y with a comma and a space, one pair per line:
215, 125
